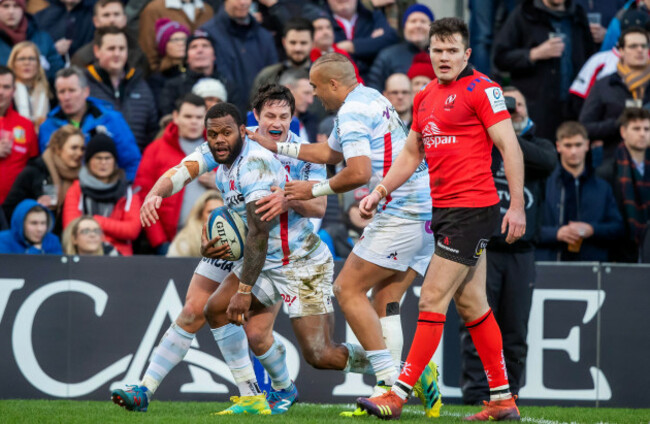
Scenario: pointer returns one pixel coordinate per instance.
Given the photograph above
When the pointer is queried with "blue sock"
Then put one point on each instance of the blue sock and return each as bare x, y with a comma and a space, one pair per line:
274, 362
233, 343
170, 352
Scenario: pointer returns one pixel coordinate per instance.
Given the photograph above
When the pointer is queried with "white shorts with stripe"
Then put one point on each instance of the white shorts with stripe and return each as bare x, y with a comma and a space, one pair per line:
305, 285
397, 243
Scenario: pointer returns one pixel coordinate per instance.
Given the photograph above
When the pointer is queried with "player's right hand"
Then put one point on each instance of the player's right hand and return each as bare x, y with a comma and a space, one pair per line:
262, 140
368, 205
148, 211
208, 248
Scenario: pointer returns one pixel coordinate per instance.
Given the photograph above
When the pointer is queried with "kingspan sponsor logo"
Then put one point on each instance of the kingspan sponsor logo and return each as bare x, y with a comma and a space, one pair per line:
433, 136
438, 140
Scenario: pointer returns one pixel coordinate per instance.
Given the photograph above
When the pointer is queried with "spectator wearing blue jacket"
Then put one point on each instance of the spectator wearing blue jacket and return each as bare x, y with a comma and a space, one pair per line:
69, 23
360, 32
580, 218
16, 26
92, 116
243, 48
31, 231
633, 13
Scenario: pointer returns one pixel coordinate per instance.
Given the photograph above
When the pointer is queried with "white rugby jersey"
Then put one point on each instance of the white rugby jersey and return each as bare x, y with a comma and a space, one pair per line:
250, 178
368, 125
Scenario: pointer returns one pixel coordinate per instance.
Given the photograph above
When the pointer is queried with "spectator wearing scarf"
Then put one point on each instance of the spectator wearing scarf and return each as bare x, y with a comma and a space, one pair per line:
104, 193
629, 174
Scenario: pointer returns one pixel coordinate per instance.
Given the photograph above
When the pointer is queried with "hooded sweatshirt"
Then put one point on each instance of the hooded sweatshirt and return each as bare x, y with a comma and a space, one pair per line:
13, 240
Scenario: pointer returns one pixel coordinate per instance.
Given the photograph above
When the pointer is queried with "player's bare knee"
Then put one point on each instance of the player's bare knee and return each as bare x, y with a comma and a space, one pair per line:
259, 341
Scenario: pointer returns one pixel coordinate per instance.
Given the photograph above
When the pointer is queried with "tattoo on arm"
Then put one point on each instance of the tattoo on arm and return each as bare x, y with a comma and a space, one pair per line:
255, 247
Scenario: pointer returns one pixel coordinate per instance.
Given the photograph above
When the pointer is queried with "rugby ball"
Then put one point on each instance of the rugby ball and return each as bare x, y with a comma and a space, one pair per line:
230, 227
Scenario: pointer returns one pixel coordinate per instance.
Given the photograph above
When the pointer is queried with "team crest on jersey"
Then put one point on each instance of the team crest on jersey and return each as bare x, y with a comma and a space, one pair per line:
19, 135
449, 103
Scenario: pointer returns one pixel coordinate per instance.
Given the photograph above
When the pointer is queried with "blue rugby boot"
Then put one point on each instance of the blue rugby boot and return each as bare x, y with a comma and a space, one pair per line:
281, 400
134, 398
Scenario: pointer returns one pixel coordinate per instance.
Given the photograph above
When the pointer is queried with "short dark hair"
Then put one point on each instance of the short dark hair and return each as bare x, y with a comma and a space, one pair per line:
4, 70
571, 129
298, 24
632, 30
190, 98
633, 114
104, 3
445, 29
273, 93
72, 71
109, 30
221, 110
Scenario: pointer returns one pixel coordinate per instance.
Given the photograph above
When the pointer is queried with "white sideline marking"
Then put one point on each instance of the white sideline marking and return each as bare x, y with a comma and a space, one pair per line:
443, 413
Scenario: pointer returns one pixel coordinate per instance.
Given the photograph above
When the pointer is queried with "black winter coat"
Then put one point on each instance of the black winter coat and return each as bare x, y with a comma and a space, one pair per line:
528, 26
177, 87
133, 99
603, 107
76, 25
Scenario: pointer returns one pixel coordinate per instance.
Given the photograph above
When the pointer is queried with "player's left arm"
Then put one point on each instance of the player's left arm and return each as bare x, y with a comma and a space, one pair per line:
356, 173
504, 138
400, 171
255, 249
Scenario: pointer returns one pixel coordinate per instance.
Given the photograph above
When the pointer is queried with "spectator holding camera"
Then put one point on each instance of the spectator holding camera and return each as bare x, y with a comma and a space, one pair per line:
580, 219
511, 267
628, 172
543, 44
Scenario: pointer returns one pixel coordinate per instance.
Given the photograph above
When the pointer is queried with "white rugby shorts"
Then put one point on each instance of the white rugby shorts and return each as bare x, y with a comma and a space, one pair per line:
305, 285
214, 269
397, 243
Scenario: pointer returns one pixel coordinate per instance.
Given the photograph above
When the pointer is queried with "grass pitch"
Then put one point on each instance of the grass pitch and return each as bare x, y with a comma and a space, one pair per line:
70, 411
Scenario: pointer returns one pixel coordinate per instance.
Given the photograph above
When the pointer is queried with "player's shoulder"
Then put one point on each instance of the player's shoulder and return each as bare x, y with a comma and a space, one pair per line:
253, 152
475, 81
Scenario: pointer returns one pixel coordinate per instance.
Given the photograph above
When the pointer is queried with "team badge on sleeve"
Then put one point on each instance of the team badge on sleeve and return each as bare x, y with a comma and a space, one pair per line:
495, 96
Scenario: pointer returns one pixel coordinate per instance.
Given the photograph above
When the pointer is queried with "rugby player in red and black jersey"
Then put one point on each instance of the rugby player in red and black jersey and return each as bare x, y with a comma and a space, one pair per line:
456, 119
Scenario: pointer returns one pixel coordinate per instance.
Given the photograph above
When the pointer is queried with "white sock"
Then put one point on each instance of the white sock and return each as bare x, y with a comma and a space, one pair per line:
357, 360
391, 328
500, 393
274, 362
170, 352
383, 365
233, 343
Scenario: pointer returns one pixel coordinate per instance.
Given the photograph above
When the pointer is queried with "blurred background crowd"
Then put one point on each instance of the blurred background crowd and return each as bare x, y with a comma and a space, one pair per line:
98, 98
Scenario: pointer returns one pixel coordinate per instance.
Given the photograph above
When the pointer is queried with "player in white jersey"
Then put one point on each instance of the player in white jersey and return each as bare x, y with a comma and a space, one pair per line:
398, 243
210, 272
284, 260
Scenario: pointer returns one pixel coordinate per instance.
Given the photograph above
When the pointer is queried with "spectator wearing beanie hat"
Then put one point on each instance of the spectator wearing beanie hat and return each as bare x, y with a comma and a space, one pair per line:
421, 71
20, 26
103, 192
190, 14
211, 90
200, 63
397, 58
171, 39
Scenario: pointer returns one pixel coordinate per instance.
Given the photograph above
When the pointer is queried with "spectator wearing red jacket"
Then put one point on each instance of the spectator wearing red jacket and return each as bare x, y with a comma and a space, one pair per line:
104, 193
18, 141
181, 137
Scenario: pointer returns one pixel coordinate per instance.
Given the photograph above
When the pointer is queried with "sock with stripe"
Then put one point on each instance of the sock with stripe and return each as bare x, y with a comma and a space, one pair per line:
391, 328
486, 336
383, 366
274, 362
233, 344
357, 360
425, 342
170, 352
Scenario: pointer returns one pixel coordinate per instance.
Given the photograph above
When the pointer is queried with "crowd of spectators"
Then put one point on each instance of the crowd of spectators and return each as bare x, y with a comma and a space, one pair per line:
99, 98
